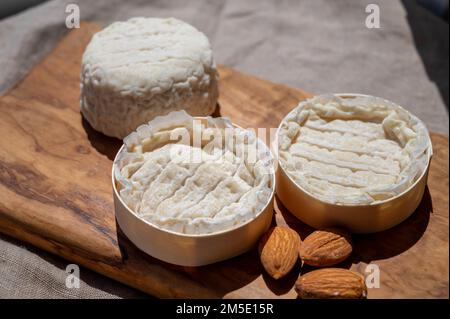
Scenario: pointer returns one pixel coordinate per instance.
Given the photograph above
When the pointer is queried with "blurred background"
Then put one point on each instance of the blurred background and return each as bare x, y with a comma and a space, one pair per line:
10, 7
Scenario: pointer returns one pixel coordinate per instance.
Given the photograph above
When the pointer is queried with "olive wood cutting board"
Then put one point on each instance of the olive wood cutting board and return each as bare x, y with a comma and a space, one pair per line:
55, 193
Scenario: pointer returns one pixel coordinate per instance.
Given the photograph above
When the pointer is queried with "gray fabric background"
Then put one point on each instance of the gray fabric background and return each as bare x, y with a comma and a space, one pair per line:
317, 45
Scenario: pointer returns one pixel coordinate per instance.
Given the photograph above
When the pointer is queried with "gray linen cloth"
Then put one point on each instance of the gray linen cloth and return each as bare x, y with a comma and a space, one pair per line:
317, 45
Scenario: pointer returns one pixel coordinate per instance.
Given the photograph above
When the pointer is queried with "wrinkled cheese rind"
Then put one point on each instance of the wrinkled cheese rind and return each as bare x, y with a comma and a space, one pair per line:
135, 70
359, 150
161, 184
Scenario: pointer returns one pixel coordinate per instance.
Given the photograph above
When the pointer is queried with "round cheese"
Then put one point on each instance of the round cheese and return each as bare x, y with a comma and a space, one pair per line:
135, 70
352, 150
194, 188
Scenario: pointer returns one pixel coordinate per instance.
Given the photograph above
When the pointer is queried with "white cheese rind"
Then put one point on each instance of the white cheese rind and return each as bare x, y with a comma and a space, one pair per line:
190, 189
352, 151
135, 70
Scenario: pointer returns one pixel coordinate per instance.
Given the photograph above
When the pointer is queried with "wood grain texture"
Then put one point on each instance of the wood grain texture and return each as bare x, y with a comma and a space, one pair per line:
55, 193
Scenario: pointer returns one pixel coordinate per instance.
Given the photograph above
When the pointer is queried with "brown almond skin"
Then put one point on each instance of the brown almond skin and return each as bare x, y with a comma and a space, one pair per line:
278, 249
326, 247
331, 283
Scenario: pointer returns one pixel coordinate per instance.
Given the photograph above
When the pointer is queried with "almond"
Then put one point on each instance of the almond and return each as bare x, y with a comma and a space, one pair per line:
326, 247
278, 250
334, 283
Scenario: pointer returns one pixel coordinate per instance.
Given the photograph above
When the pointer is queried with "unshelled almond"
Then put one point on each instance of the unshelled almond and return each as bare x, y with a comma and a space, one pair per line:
331, 283
278, 250
326, 247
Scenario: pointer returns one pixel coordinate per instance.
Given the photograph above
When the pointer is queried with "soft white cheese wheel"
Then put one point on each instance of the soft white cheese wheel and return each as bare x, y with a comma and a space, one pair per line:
194, 189
352, 151
135, 70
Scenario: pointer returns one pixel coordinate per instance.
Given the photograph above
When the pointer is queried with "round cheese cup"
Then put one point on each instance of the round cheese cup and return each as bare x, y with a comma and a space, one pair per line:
190, 249
364, 218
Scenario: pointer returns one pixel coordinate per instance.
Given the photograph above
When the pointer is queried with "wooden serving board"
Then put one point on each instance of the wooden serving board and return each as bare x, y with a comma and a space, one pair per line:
55, 193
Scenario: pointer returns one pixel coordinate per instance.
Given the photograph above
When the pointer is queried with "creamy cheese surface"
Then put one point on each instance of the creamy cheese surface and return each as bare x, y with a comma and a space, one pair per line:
352, 150
135, 70
194, 189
